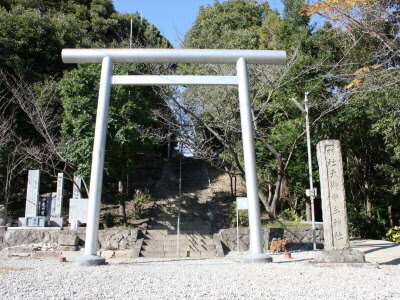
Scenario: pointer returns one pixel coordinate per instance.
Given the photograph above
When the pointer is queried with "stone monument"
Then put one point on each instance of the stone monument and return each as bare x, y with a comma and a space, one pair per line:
76, 191
78, 206
32, 194
78, 209
3, 215
336, 234
57, 203
32, 202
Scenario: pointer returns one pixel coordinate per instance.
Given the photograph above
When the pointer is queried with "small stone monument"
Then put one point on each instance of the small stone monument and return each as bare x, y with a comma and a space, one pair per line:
57, 203
78, 206
78, 209
32, 202
32, 194
336, 234
3, 215
76, 191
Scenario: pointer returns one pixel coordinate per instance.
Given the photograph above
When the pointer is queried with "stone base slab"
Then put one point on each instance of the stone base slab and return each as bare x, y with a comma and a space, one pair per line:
19, 251
68, 248
33, 222
56, 222
46, 254
339, 256
34, 228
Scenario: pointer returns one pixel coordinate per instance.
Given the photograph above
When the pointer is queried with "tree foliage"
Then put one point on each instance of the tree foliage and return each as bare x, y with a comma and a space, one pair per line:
349, 67
51, 105
128, 119
218, 116
366, 87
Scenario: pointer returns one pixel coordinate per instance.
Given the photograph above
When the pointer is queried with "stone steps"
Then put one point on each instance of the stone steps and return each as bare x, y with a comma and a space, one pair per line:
195, 254
152, 232
198, 228
196, 239
188, 225
173, 248
170, 239
162, 243
185, 221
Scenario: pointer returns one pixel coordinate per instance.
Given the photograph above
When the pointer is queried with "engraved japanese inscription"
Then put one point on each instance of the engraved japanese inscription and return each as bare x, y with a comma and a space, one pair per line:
333, 195
32, 194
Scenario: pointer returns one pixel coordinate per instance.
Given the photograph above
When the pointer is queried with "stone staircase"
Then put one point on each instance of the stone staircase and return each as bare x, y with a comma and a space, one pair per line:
164, 243
196, 238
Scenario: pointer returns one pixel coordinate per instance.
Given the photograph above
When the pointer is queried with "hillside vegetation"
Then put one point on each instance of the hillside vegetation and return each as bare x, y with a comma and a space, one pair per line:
347, 65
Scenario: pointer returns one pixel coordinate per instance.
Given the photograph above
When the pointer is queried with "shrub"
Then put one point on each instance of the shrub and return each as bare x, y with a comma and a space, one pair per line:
140, 199
278, 245
289, 215
108, 219
394, 234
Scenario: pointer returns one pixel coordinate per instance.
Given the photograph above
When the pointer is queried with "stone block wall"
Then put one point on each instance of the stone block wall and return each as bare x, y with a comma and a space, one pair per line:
300, 238
108, 239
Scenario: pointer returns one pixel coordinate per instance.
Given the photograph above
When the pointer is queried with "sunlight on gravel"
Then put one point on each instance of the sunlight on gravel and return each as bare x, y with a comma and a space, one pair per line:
219, 278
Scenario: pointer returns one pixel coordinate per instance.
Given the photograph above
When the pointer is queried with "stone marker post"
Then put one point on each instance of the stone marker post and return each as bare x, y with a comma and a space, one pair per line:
3, 215
76, 193
336, 234
333, 195
78, 210
57, 203
57, 207
32, 194
32, 202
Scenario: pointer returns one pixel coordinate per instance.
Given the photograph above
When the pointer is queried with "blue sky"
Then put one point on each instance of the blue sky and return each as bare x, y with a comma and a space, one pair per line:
172, 17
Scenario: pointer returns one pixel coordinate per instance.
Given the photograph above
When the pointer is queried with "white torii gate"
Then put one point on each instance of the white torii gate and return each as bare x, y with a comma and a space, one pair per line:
107, 57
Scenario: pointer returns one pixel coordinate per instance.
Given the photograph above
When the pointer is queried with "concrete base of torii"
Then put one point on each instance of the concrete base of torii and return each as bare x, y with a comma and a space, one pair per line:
89, 260
257, 258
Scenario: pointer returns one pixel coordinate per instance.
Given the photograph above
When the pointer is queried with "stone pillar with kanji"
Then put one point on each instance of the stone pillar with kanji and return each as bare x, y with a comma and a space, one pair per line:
336, 233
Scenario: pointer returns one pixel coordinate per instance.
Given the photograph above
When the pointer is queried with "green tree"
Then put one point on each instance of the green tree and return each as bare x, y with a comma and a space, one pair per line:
129, 116
280, 144
276, 121
232, 24
32, 35
128, 121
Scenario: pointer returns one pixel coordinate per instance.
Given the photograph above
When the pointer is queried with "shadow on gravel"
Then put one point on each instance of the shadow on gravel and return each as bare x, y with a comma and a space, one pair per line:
293, 261
161, 261
372, 246
393, 262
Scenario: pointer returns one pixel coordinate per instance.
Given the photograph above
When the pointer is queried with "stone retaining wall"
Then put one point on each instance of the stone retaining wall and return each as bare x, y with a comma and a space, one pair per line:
300, 238
108, 239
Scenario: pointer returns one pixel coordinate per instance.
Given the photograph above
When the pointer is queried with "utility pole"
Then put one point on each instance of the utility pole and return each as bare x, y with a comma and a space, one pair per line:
130, 37
310, 192
178, 225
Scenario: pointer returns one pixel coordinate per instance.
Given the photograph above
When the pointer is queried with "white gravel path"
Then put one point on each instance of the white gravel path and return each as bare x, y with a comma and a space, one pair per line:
220, 278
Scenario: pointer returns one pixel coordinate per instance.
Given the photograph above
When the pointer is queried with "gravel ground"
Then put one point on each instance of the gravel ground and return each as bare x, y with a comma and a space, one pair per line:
219, 278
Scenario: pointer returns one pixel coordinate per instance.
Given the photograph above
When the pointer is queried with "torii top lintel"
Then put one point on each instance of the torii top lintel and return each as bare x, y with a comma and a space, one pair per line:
208, 56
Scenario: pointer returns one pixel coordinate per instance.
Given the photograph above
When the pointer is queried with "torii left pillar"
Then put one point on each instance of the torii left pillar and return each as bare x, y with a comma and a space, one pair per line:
96, 177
